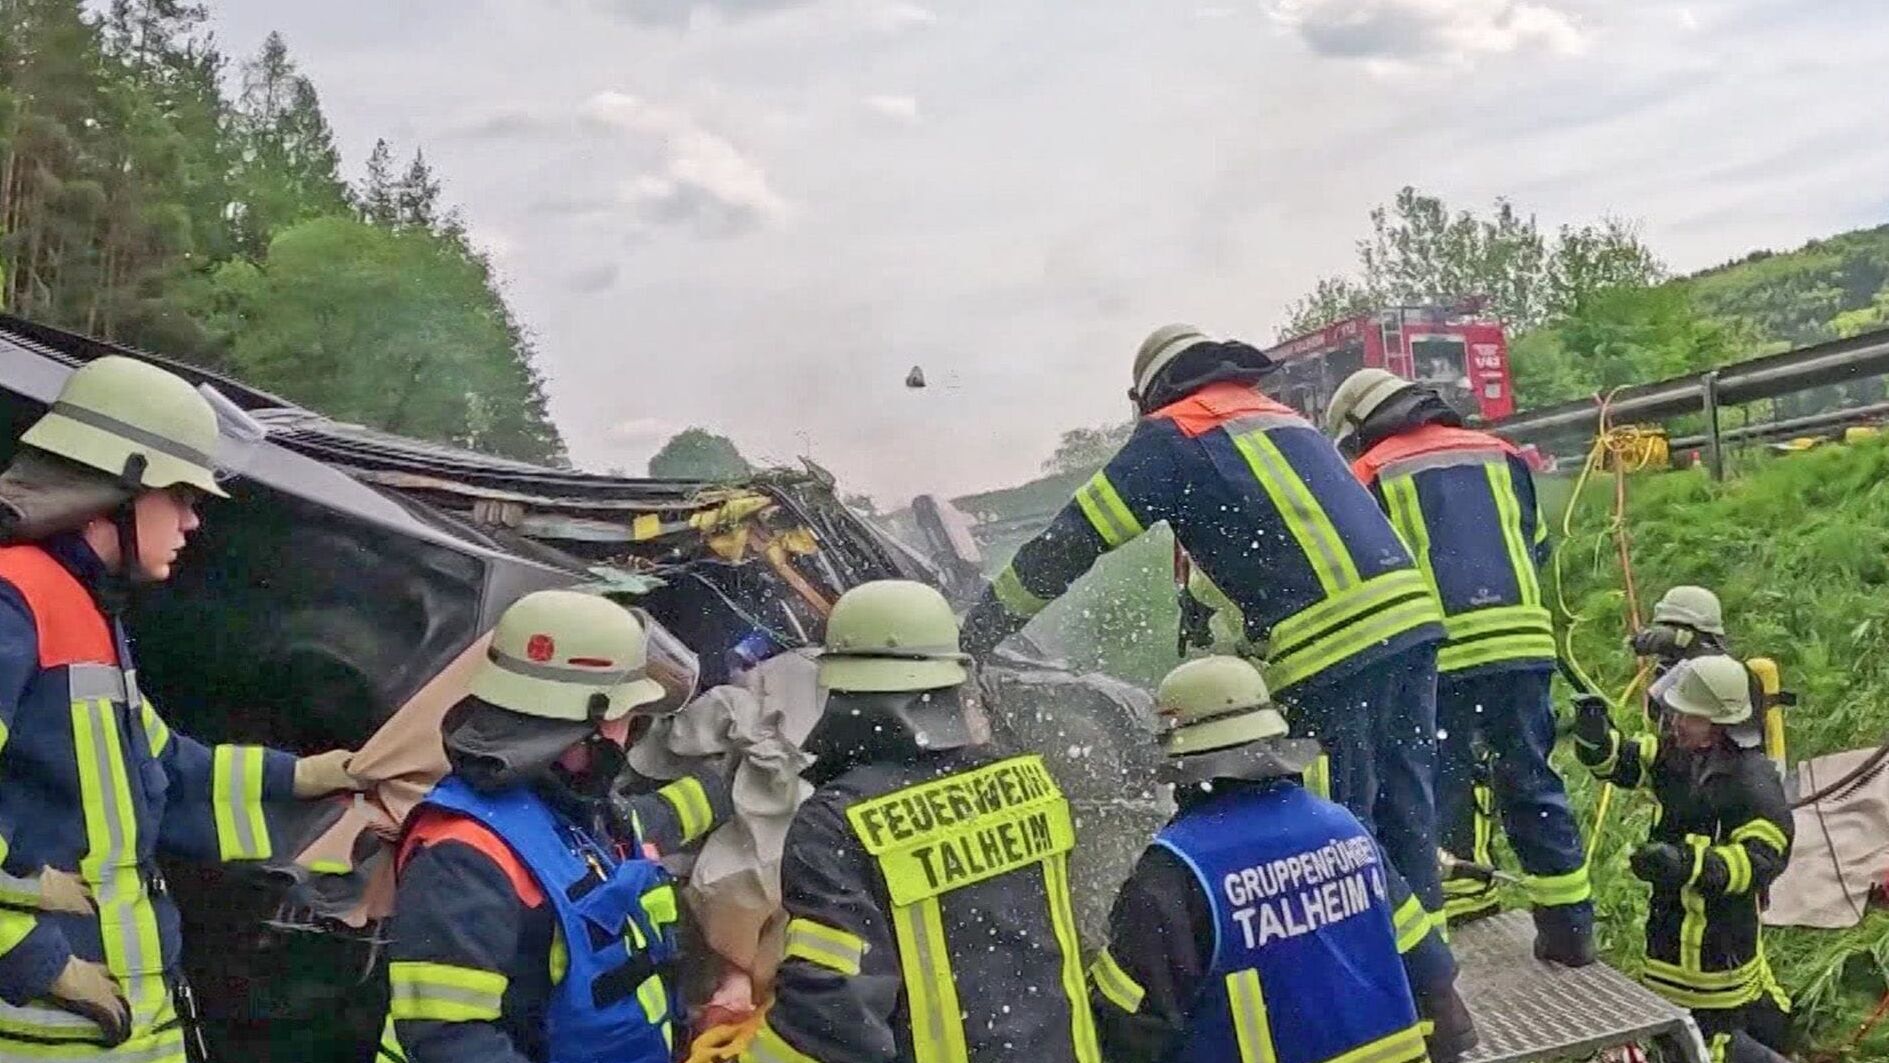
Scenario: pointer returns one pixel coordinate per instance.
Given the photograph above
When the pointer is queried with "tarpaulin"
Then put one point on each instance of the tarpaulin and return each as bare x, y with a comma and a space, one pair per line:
1841, 849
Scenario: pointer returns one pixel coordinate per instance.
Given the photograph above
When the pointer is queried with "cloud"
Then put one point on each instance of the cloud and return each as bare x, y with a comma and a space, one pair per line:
898, 108
898, 15
1405, 32
509, 124
571, 205
682, 13
596, 278
640, 430
702, 179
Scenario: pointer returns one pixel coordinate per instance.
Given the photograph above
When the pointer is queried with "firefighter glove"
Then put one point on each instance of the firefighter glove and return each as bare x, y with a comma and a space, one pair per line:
1592, 722
324, 773
88, 989
63, 891
1660, 640
1661, 864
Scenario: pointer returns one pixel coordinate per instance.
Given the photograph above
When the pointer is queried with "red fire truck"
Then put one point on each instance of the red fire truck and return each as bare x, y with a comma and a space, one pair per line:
1460, 351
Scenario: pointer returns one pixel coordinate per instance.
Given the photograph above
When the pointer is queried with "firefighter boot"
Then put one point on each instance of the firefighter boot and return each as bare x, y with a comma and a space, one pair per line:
1452, 1032
1562, 936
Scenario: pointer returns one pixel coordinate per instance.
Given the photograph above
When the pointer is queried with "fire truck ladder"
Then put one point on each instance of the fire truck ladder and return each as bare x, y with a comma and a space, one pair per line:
1529, 1010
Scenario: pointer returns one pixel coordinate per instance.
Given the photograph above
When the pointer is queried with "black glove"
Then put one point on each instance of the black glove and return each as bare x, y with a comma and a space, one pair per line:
1661, 641
1661, 863
1592, 722
1196, 621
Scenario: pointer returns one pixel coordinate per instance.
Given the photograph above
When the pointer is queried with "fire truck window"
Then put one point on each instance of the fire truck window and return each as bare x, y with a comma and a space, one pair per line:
1342, 363
1440, 359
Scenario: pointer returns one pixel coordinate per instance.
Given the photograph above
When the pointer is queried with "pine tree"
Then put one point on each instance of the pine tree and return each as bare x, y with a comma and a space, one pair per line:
417, 195
377, 192
290, 168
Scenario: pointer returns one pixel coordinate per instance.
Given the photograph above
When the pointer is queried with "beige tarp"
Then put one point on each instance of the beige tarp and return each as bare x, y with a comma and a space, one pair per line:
1841, 849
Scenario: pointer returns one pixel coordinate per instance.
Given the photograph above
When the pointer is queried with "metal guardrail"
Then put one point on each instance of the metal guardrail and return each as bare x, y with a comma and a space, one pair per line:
1769, 377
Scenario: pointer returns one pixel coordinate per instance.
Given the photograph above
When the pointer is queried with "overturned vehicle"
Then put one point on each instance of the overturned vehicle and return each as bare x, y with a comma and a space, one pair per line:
351, 570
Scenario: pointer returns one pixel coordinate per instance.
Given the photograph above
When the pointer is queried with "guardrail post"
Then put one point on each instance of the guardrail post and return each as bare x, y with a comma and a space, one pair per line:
1714, 446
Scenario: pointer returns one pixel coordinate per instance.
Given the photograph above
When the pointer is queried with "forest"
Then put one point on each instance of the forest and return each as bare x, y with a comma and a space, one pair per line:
158, 192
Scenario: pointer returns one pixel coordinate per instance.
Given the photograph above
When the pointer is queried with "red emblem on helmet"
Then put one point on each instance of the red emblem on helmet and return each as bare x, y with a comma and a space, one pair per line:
540, 648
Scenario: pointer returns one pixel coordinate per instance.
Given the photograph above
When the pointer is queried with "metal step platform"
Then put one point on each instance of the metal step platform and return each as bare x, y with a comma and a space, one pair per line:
1529, 1010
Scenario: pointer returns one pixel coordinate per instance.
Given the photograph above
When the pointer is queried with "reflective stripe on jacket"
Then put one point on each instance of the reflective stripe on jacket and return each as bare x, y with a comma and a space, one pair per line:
1267, 510
97, 784
604, 998
1464, 502
930, 920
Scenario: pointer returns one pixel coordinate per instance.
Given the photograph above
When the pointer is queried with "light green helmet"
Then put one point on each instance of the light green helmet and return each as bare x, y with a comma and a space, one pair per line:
1216, 703
1715, 688
891, 635
1359, 396
117, 408
1162, 346
1693, 607
566, 655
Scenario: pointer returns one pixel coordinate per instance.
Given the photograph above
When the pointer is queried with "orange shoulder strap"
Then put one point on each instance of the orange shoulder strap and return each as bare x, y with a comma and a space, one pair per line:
433, 825
71, 628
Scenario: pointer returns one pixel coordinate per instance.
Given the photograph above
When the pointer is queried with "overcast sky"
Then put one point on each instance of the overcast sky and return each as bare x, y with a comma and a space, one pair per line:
756, 215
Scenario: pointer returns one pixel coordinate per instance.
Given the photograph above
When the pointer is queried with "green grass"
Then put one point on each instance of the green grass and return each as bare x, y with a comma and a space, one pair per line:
1797, 547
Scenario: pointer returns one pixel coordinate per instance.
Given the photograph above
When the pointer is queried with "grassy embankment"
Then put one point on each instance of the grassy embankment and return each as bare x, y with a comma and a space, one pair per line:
1797, 546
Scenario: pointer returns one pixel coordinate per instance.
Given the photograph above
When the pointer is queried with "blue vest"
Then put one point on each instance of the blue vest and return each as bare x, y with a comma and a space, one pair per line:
617, 919
1305, 966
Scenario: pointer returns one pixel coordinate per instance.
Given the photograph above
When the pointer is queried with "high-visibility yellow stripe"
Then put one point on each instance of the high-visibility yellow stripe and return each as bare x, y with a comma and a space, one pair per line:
21, 893
1347, 642
1404, 1046
1014, 596
1304, 518
390, 1049
1107, 513
1737, 867
931, 987
690, 801
1509, 518
152, 1046
126, 920
444, 992
1692, 924
660, 905
242, 832
654, 997
1251, 1026
1763, 830
825, 946
1116, 984
1499, 618
1318, 777
1406, 515
770, 1047
14, 926
1411, 923
1549, 891
156, 731
1063, 920
1482, 817
1534, 647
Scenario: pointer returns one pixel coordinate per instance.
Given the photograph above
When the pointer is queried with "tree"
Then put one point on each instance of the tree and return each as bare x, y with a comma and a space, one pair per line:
1615, 337
400, 331
698, 454
290, 170
416, 197
1088, 449
1421, 252
377, 191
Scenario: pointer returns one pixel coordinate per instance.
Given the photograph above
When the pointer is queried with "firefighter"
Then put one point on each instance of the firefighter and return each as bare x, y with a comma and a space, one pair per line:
1687, 622
1723, 834
98, 501
532, 921
1323, 586
1214, 953
927, 879
1465, 503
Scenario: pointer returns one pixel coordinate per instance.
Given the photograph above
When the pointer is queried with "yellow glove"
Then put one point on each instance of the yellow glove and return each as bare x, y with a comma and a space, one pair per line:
324, 773
63, 891
88, 989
